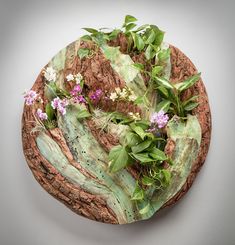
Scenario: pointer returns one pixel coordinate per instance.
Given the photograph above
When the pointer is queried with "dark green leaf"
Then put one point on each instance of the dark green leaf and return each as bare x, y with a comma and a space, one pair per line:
132, 139
163, 105
129, 19
139, 43
156, 70
158, 155
190, 106
130, 26
84, 113
50, 112
167, 176
139, 66
141, 147
145, 209
91, 30
114, 34
188, 82
86, 38
163, 91
164, 54
119, 158
165, 83
138, 130
142, 157
138, 193
159, 35
151, 37
190, 99
149, 52
141, 28
83, 52
147, 180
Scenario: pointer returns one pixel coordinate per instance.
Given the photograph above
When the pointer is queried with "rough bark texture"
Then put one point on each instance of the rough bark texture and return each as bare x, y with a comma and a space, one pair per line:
99, 74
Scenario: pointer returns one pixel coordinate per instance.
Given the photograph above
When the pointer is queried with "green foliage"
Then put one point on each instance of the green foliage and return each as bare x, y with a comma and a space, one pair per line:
138, 193
51, 115
171, 95
119, 158
82, 114
84, 52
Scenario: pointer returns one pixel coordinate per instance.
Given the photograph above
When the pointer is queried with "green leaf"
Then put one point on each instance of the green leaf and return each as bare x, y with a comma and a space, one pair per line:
142, 157
164, 54
159, 35
130, 26
145, 209
86, 38
190, 99
147, 180
138, 66
141, 147
163, 91
50, 112
138, 130
138, 193
91, 30
139, 42
156, 70
163, 105
129, 19
157, 154
141, 28
165, 83
149, 52
119, 158
132, 139
190, 106
167, 176
84, 113
188, 82
83, 52
144, 124
114, 34
151, 37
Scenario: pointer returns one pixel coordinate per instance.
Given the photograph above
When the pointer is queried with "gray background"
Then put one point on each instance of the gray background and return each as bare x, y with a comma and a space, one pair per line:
31, 32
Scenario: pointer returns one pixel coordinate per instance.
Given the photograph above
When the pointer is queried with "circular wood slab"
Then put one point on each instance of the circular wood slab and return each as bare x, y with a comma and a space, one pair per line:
98, 71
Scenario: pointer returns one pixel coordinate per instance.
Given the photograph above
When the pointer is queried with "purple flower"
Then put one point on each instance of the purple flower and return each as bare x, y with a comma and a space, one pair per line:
96, 95
30, 97
41, 115
76, 89
59, 104
159, 118
79, 99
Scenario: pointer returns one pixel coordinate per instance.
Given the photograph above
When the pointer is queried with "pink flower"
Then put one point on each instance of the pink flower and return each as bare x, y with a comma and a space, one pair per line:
96, 95
41, 115
79, 99
59, 104
30, 97
76, 90
159, 118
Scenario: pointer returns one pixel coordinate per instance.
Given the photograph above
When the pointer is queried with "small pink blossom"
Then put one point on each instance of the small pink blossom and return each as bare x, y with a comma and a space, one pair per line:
79, 99
96, 95
76, 90
159, 118
41, 115
30, 97
59, 104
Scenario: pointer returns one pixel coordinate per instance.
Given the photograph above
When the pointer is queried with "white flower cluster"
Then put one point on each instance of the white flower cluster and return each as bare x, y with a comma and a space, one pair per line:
125, 94
50, 74
77, 78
